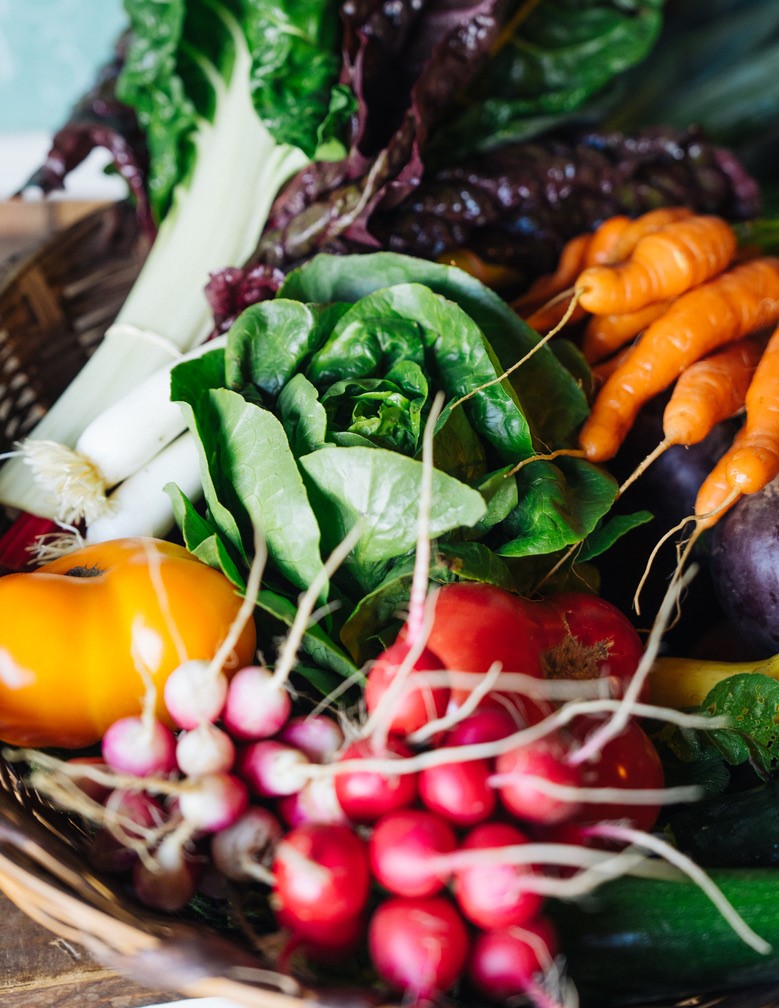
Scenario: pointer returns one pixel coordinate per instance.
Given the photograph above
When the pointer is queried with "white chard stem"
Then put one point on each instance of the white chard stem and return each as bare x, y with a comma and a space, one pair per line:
209, 227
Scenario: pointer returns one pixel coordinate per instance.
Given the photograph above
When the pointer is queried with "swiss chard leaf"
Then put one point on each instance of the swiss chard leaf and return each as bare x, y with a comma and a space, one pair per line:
562, 54
184, 56
295, 64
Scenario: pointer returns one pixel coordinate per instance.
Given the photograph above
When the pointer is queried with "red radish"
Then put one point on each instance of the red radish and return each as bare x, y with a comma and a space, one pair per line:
460, 792
419, 946
491, 894
205, 749
316, 802
519, 777
195, 693
257, 706
245, 849
212, 802
141, 746
317, 736
506, 963
488, 724
366, 796
590, 637
410, 704
92, 789
476, 625
405, 849
327, 942
170, 882
628, 761
321, 875
271, 768
130, 817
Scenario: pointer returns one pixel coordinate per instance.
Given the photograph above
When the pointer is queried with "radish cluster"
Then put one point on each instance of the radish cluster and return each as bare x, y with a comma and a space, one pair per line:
428, 836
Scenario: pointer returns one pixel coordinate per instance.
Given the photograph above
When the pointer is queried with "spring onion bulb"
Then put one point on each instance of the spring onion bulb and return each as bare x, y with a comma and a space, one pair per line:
139, 506
118, 443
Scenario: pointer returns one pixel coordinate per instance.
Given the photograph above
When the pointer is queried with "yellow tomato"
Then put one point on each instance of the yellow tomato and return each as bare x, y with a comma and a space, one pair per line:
80, 636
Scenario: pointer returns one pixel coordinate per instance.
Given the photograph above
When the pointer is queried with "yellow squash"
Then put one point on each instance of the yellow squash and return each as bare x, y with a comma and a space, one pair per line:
79, 636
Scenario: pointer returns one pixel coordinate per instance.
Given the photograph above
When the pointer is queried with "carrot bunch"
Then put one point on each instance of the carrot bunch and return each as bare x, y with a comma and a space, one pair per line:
669, 299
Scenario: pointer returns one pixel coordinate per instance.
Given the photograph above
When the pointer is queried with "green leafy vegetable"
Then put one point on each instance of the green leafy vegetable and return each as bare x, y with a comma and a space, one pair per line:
309, 425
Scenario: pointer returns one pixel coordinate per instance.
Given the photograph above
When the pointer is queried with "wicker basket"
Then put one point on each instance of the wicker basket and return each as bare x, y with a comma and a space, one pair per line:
55, 306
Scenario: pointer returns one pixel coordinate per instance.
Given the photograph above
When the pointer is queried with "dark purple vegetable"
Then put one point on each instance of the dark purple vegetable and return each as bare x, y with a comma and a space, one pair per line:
744, 567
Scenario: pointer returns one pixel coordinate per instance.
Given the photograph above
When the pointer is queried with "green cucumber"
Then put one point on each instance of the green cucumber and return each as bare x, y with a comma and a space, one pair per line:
738, 830
644, 939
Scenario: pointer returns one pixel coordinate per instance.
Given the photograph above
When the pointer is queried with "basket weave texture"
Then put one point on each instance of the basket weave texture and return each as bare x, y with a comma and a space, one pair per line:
55, 306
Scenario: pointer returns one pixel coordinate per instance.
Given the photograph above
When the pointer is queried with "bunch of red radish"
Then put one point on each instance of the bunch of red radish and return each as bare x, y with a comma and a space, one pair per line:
429, 834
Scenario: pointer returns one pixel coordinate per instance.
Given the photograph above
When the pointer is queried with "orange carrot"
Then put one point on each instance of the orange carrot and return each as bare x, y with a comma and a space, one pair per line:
716, 494
753, 461
729, 307
599, 249
664, 264
711, 390
569, 265
492, 275
604, 334
605, 241
603, 369
649, 222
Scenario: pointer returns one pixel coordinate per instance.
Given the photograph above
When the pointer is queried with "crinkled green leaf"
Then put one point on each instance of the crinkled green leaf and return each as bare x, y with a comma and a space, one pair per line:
386, 411
190, 382
249, 474
255, 465
302, 415
201, 538
751, 703
500, 493
560, 503
270, 341
551, 398
612, 529
409, 322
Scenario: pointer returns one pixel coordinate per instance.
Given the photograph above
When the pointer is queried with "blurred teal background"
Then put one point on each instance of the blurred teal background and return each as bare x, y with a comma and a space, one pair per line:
49, 52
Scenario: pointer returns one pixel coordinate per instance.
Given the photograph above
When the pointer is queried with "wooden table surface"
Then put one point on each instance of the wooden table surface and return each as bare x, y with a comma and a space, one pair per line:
40, 970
